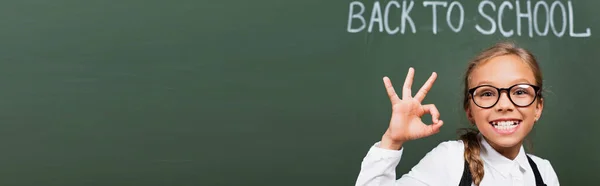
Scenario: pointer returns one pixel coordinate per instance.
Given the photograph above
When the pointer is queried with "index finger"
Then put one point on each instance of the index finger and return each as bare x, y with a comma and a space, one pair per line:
426, 87
390, 90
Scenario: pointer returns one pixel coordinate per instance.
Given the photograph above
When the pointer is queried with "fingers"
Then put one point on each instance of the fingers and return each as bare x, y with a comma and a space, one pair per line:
433, 111
406, 92
434, 128
426, 87
390, 90
435, 117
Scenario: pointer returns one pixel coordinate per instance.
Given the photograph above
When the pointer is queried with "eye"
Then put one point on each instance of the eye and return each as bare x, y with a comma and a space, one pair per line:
486, 94
523, 90
520, 92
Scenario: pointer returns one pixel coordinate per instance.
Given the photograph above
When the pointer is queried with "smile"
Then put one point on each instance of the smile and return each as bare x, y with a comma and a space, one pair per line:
505, 126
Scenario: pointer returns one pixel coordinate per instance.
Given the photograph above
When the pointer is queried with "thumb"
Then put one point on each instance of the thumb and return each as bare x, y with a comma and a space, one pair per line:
433, 128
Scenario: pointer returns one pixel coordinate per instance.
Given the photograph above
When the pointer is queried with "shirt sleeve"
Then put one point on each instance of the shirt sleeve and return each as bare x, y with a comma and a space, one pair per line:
379, 168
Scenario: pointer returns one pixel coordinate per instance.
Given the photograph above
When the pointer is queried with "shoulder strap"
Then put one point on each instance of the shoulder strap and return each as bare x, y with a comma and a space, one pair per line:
467, 178
536, 173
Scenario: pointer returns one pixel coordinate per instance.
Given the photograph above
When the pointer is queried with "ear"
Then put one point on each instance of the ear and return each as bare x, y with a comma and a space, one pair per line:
538, 109
469, 115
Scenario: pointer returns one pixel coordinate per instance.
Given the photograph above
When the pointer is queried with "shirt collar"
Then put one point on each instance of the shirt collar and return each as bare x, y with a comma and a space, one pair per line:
499, 162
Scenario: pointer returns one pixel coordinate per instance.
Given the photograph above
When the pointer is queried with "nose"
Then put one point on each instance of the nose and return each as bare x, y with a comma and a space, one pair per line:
504, 104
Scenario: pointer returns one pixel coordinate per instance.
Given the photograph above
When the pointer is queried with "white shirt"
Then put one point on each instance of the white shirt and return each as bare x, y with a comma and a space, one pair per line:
444, 165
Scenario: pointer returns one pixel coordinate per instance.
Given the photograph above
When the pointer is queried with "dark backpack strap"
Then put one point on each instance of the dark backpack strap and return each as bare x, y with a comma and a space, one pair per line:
466, 178
536, 173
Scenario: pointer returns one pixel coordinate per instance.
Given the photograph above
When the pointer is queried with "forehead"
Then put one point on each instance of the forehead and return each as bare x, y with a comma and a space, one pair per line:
502, 71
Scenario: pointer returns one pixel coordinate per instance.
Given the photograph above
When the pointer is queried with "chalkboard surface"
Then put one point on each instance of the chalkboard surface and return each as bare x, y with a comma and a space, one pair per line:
266, 92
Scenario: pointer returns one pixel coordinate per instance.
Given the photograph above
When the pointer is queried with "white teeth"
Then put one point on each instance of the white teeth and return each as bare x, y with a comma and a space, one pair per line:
505, 125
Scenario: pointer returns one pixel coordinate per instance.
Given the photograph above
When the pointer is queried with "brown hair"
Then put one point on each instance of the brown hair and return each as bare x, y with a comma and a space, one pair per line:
470, 136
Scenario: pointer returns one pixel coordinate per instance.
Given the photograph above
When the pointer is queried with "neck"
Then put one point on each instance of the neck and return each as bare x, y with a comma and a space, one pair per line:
508, 152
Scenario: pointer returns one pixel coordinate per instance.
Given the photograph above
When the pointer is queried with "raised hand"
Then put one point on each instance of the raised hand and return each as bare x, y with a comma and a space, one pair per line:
405, 123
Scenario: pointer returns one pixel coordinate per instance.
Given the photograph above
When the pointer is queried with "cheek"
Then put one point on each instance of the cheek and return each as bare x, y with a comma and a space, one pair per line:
528, 113
480, 115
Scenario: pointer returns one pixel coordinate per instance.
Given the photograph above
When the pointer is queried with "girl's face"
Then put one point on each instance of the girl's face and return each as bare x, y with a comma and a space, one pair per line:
504, 124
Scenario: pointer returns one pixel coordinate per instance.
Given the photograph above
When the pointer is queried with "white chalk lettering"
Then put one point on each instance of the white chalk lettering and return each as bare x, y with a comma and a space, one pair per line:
406, 16
461, 18
587, 33
500, 16
540, 18
359, 16
379, 19
376, 17
564, 16
521, 15
535, 18
492, 30
433, 5
386, 15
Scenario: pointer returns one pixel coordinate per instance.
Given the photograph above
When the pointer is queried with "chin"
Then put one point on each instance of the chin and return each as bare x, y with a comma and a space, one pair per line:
505, 141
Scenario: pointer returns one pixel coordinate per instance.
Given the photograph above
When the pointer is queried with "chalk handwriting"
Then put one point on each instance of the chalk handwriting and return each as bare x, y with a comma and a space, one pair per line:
533, 19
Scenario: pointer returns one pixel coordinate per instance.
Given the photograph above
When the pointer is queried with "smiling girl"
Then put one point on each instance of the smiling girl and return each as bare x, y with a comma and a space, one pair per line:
502, 98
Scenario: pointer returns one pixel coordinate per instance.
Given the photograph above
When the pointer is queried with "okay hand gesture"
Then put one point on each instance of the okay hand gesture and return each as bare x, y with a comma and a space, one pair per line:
405, 123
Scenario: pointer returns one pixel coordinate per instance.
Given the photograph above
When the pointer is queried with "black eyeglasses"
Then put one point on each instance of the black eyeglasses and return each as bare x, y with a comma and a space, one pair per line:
486, 96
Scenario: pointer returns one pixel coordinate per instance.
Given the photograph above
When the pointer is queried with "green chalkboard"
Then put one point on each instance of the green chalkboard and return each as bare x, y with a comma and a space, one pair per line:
265, 92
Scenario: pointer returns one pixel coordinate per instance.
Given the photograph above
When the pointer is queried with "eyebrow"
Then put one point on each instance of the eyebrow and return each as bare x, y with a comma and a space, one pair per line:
521, 80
